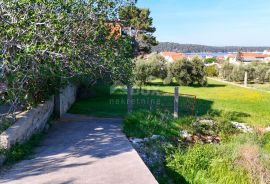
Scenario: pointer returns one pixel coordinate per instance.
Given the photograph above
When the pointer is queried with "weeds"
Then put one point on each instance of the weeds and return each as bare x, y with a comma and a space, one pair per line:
22, 151
239, 158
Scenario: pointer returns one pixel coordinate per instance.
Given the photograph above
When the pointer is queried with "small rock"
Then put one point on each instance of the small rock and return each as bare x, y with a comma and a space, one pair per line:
243, 127
195, 138
184, 134
267, 129
136, 140
207, 121
155, 137
146, 139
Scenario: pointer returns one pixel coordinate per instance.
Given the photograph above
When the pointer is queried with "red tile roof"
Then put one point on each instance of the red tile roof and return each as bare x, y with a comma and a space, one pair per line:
174, 55
252, 54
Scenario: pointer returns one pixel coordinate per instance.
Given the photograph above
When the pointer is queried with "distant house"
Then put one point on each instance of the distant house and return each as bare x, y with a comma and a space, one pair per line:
248, 57
266, 52
172, 56
220, 59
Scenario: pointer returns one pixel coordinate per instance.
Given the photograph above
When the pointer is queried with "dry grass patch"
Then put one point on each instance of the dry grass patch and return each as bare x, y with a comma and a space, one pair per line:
251, 158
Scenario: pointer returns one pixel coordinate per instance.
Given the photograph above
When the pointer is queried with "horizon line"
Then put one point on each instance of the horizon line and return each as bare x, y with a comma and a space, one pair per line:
211, 45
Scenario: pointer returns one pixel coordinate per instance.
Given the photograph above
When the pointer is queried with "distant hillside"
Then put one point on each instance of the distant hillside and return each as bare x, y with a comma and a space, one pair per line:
189, 48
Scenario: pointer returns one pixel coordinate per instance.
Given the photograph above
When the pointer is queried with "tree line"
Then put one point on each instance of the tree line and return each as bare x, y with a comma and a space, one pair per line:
192, 48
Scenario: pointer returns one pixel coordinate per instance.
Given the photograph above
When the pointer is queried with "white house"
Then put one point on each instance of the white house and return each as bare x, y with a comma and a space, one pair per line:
248, 57
266, 52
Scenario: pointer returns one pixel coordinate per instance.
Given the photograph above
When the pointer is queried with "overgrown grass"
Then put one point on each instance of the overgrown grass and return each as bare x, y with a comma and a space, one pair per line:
265, 87
21, 151
143, 124
239, 158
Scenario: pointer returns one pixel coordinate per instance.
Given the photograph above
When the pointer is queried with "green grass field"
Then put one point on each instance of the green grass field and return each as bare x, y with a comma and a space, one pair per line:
251, 105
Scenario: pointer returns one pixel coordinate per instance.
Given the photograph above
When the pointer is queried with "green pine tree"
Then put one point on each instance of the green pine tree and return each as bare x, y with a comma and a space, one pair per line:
139, 25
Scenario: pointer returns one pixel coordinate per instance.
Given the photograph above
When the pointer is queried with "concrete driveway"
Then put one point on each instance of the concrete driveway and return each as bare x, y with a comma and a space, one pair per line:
80, 149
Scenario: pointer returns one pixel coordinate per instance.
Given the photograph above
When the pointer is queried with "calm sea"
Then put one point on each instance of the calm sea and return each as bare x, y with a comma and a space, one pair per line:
213, 54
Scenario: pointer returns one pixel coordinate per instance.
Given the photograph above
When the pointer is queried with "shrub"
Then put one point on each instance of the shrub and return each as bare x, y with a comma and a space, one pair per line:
211, 71
238, 73
226, 70
142, 72
188, 72
145, 70
210, 60
198, 75
158, 66
261, 73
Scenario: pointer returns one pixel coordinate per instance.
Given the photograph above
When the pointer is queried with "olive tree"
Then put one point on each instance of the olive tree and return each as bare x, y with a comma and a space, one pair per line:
188, 72
146, 69
157, 66
226, 70
261, 73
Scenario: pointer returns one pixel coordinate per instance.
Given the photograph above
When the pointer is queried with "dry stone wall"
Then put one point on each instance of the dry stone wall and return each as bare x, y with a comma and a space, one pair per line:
35, 120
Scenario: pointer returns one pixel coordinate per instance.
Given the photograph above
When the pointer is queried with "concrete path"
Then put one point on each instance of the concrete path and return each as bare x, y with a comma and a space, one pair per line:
85, 150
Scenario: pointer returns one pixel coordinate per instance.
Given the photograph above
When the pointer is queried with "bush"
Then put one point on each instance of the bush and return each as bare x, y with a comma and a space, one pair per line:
158, 66
211, 71
261, 73
145, 70
238, 73
210, 60
142, 72
226, 70
188, 72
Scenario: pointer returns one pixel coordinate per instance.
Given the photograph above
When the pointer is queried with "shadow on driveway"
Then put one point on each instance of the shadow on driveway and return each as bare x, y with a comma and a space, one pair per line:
81, 149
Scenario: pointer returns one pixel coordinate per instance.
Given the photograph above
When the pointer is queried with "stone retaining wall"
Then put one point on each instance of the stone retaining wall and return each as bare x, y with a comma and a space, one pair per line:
65, 99
28, 123
35, 120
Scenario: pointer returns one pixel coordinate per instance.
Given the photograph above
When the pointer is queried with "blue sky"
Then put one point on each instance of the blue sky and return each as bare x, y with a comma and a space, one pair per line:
211, 22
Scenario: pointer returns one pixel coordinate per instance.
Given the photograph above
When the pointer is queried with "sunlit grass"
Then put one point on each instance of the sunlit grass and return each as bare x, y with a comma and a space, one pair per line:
232, 98
216, 96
